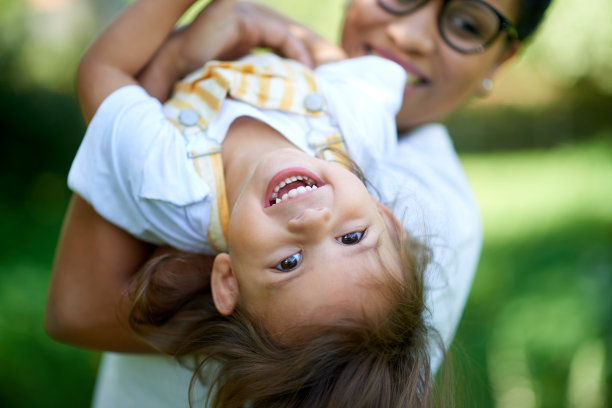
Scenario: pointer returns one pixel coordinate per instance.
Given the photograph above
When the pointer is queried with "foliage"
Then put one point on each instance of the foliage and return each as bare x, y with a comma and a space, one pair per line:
540, 295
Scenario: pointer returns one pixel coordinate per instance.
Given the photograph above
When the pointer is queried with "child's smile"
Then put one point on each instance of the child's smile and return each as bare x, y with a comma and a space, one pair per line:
290, 183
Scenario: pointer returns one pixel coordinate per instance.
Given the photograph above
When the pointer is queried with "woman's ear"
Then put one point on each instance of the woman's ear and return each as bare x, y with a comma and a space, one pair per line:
486, 85
223, 285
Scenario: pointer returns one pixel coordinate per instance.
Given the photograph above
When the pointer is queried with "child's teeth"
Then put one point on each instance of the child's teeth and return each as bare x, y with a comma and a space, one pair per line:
310, 185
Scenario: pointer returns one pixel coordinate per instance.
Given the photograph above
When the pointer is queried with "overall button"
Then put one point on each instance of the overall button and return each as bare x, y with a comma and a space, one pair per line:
188, 117
313, 102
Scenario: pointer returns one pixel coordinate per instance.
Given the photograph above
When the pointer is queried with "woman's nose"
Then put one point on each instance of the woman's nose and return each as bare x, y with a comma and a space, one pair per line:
313, 221
417, 32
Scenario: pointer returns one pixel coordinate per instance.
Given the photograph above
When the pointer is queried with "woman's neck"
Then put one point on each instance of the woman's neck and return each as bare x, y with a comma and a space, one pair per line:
246, 141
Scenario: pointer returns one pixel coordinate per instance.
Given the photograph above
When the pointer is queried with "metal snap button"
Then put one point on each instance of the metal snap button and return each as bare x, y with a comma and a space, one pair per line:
313, 102
188, 117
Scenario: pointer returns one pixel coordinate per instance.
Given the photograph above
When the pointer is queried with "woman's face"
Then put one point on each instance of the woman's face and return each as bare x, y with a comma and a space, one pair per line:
440, 78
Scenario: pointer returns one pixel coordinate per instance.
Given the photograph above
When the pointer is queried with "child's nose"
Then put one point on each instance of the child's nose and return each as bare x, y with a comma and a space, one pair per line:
313, 221
417, 32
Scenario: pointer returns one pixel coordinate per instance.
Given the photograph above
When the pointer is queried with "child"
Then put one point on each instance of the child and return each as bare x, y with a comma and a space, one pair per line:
315, 272
294, 257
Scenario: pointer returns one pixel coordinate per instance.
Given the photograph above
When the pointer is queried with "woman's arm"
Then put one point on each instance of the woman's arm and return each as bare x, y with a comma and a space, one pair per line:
95, 262
227, 30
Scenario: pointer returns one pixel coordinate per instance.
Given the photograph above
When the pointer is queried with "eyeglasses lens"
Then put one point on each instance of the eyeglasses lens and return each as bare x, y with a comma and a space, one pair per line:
468, 26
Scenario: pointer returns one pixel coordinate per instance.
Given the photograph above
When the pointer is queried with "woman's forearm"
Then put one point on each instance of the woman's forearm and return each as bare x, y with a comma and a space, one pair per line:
90, 293
88, 300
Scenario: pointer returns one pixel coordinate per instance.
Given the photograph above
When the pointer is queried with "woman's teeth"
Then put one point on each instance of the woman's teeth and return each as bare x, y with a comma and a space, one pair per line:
283, 191
412, 80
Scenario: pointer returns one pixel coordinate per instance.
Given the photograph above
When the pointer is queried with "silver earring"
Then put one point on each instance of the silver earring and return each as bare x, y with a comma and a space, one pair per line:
487, 84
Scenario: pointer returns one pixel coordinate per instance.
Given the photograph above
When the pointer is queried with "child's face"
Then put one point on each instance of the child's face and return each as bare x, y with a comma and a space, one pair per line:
313, 258
441, 78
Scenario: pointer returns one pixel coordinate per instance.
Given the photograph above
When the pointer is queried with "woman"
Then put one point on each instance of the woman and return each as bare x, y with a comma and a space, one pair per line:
445, 66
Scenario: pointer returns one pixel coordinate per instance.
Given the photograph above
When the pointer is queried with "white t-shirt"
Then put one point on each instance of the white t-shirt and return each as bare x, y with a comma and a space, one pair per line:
117, 170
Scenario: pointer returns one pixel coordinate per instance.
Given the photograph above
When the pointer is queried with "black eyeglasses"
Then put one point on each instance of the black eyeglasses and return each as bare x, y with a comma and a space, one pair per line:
468, 26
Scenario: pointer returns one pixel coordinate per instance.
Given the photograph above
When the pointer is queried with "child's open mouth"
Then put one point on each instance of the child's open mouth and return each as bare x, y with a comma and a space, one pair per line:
290, 184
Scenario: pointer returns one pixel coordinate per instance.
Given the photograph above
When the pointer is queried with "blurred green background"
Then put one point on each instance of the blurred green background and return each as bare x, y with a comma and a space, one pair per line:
537, 330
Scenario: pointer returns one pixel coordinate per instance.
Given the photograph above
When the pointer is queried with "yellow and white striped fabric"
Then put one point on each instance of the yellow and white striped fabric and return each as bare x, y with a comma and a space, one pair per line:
264, 81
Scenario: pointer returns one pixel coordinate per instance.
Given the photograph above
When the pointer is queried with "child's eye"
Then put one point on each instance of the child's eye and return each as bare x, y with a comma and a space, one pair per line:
290, 263
351, 238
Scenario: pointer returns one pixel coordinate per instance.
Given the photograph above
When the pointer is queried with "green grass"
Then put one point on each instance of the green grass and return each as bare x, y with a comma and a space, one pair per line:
541, 292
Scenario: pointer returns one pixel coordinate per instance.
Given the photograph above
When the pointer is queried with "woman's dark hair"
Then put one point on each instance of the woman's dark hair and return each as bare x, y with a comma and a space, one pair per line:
531, 13
354, 363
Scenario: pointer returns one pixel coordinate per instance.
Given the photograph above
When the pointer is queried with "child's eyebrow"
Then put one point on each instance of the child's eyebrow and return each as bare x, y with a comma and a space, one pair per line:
354, 250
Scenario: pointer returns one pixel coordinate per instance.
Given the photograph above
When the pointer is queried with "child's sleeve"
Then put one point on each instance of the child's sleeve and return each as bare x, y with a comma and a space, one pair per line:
133, 169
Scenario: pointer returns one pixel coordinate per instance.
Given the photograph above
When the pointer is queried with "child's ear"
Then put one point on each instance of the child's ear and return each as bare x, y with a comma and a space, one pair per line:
223, 284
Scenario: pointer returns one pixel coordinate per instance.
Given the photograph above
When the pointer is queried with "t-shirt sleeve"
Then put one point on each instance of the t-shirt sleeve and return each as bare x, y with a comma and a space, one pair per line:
430, 194
133, 169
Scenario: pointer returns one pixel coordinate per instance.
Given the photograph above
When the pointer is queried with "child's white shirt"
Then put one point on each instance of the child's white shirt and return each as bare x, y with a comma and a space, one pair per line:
133, 169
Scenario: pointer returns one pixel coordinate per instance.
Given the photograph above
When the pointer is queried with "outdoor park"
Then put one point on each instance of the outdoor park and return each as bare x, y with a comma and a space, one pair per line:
537, 330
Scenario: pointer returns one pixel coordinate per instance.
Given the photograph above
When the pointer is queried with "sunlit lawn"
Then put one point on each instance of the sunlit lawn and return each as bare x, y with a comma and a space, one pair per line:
535, 332
537, 328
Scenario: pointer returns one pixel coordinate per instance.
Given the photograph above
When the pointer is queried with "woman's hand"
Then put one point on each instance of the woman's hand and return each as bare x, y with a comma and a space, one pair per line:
227, 30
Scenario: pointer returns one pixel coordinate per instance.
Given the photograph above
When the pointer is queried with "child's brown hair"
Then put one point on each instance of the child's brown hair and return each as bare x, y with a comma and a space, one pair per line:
354, 363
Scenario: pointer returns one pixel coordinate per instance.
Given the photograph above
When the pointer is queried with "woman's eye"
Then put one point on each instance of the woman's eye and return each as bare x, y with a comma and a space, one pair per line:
464, 26
290, 263
351, 238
